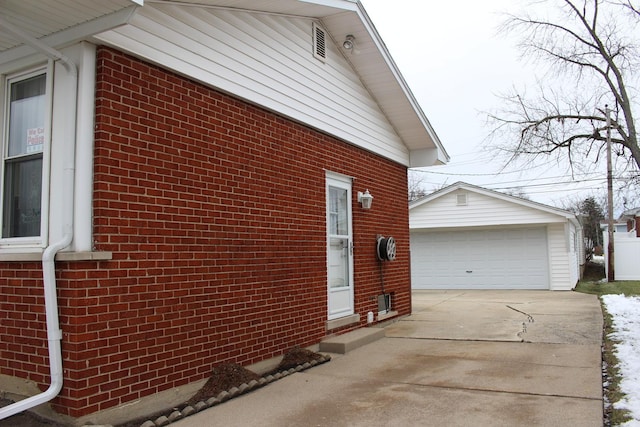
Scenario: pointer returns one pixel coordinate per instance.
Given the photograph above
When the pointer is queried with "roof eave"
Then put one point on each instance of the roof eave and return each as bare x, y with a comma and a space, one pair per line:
441, 155
374, 65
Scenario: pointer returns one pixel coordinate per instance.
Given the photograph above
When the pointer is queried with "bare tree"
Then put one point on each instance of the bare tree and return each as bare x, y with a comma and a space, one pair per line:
593, 61
517, 192
634, 8
416, 186
590, 213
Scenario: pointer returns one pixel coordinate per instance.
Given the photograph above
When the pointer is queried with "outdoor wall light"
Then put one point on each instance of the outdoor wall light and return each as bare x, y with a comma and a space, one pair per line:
365, 199
349, 42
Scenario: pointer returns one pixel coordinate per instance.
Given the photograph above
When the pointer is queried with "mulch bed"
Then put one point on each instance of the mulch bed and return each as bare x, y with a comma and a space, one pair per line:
229, 380
228, 375
223, 378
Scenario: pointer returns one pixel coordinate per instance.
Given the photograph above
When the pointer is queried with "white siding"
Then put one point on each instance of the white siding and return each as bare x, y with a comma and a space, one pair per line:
576, 247
265, 59
560, 258
479, 211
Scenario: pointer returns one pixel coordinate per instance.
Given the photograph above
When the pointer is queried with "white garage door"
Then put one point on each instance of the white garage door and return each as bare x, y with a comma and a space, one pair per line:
480, 259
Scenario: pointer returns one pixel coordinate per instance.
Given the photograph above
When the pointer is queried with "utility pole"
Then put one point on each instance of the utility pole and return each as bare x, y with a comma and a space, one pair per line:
611, 276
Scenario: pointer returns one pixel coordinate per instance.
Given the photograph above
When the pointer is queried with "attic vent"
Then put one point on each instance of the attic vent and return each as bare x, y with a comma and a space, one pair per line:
461, 199
319, 43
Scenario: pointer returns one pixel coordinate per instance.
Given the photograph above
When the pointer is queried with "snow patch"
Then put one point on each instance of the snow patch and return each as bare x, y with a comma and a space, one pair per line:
625, 313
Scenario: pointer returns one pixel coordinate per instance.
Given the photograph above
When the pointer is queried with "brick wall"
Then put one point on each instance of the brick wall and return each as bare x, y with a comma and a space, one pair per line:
214, 211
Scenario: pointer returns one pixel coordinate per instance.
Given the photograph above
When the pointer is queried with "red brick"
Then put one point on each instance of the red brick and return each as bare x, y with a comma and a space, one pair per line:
214, 212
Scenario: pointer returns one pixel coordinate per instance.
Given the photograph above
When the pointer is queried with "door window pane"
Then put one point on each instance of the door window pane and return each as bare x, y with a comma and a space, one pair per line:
338, 214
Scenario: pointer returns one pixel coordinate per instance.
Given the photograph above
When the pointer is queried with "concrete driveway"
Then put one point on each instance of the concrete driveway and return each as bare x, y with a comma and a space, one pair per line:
481, 358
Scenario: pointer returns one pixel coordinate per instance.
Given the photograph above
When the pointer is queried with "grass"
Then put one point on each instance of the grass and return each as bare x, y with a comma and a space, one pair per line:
605, 288
592, 285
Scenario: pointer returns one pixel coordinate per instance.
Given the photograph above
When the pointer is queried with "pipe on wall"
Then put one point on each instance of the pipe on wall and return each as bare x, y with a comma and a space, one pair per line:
54, 333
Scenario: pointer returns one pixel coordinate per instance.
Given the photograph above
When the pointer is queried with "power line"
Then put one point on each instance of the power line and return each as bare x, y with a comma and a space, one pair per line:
544, 184
467, 174
544, 188
495, 174
573, 181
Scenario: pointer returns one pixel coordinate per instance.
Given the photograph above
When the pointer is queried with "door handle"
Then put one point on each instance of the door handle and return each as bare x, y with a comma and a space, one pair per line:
347, 248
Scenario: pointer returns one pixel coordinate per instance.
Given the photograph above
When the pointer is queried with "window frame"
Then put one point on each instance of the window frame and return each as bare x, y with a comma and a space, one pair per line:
7, 80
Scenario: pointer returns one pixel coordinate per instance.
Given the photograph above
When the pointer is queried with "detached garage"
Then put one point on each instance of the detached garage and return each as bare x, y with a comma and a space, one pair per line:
468, 237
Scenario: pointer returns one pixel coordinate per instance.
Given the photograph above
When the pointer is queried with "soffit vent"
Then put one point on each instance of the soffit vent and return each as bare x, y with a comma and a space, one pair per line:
319, 43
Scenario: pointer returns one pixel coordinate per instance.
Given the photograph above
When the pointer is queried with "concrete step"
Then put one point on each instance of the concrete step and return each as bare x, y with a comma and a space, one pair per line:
344, 343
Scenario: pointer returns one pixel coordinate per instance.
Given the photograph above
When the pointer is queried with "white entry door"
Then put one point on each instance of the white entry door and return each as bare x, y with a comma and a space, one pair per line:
339, 248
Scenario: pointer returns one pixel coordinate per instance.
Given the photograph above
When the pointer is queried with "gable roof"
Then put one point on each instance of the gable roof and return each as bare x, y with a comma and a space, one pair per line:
630, 213
60, 22
495, 195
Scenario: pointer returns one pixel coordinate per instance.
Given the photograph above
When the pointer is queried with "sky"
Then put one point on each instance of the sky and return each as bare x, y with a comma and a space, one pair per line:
457, 64
625, 314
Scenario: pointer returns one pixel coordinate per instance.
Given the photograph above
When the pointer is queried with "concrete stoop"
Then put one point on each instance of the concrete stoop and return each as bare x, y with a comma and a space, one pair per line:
345, 343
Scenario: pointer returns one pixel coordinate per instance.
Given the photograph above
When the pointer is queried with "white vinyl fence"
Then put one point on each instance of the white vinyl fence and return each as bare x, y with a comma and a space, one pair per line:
626, 254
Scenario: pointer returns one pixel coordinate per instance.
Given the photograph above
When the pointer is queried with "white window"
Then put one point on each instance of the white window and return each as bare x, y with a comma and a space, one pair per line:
26, 115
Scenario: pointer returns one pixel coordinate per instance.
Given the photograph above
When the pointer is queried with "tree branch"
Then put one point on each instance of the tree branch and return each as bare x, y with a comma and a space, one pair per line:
555, 124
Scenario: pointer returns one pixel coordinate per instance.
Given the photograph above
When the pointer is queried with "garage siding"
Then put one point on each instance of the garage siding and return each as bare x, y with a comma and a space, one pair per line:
563, 274
478, 211
511, 258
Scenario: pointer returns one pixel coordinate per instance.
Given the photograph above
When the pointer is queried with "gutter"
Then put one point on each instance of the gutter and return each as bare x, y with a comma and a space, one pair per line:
54, 333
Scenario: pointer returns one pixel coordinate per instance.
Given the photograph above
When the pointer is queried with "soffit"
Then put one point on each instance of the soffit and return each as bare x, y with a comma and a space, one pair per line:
42, 18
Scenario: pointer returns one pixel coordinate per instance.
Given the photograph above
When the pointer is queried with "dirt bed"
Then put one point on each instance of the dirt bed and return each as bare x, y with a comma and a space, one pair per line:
26, 419
223, 378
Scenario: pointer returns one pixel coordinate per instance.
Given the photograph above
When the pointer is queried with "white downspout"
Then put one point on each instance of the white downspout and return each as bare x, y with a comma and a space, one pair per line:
54, 333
